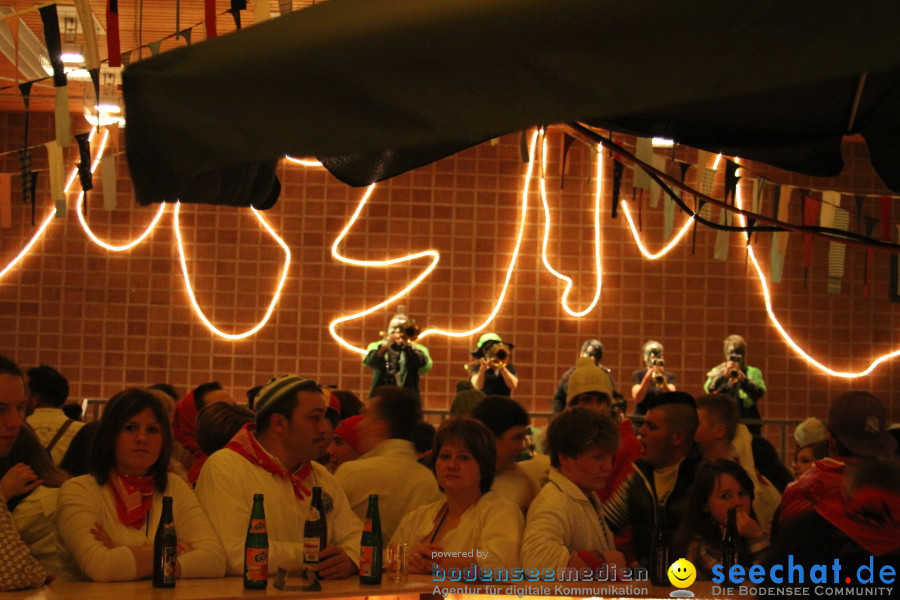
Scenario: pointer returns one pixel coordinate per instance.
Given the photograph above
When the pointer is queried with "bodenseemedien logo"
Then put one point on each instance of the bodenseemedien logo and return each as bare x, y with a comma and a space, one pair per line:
682, 575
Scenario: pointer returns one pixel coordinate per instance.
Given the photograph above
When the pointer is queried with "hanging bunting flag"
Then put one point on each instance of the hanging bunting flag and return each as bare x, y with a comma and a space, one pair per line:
643, 151
523, 147
859, 207
186, 34
830, 201
669, 207
754, 207
659, 163
567, 142
871, 223
731, 181
50, 20
810, 217
261, 11
285, 6
759, 191
113, 46
5, 201
25, 90
209, 18
618, 169
236, 7
86, 16
154, 47
126, 58
84, 166
108, 181
720, 250
840, 219
13, 24
885, 218
779, 238
62, 116
57, 177
25, 172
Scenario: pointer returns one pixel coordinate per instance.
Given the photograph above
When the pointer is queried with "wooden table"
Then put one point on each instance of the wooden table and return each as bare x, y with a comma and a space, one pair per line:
419, 587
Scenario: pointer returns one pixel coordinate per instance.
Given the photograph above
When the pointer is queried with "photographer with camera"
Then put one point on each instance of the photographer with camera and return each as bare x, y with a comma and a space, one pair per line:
493, 373
397, 359
742, 382
653, 380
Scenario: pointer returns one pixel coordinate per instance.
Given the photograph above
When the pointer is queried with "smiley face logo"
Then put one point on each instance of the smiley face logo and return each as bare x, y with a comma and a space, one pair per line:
682, 573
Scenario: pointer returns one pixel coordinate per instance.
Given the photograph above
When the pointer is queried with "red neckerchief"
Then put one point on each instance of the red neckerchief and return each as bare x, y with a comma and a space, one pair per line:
245, 444
133, 496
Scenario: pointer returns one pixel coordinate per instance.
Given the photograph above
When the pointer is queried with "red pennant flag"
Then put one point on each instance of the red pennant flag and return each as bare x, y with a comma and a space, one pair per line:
209, 18
113, 46
885, 218
810, 218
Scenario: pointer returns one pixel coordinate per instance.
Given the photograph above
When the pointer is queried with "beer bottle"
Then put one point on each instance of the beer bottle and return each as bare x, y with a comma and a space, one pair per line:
315, 529
659, 550
730, 541
165, 548
370, 545
256, 548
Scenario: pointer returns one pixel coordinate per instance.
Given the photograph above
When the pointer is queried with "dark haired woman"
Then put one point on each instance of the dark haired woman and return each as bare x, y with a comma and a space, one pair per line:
108, 518
470, 516
718, 486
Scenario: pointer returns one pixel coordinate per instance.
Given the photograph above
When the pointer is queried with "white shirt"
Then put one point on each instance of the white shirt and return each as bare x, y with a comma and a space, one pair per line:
46, 422
33, 518
562, 520
517, 486
82, 503
492, 526
390, 470
226, 487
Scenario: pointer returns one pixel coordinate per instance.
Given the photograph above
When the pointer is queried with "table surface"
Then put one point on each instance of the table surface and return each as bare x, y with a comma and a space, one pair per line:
231, 588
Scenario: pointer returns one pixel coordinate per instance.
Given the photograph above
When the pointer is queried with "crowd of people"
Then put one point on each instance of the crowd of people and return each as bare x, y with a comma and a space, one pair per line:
596, 486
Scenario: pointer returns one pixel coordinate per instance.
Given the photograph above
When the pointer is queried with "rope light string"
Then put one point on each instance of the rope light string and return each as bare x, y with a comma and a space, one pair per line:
598, 268
27, 247
770, 311
637, 236
81, 199
435, 257
276, 296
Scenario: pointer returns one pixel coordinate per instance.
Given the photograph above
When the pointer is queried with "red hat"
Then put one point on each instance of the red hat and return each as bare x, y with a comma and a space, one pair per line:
349, 430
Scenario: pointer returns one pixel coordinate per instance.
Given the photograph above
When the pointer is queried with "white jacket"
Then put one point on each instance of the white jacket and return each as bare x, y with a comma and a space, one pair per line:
226, 487
390, 470
560, 521
493, 525
82, 503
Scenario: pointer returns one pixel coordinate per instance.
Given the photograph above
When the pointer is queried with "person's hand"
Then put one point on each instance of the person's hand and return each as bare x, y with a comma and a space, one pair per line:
747, 526
485, 364
334, 563
420, 560
99, 533
20, 479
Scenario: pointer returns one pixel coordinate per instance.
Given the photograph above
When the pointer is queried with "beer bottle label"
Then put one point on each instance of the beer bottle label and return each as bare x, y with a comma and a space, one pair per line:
311, 550
256, 564
169, 560
258, 526
365, 561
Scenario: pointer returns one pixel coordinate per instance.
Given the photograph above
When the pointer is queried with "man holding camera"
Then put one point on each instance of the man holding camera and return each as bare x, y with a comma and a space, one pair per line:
653, 380
742, 382
397, 359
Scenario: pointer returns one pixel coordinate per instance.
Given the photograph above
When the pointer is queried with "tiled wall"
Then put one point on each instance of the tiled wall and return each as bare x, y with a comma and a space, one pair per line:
109, 320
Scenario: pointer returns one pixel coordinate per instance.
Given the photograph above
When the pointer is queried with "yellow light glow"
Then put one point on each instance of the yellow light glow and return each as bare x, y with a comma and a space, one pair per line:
80, 201
30, 243
780, 328
637, 237
302, 161
190, 290
597, 263
435, 257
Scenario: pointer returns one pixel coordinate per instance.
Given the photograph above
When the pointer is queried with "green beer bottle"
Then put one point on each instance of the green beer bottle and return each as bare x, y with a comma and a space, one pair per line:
370, 545
256, 548
165, 548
